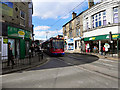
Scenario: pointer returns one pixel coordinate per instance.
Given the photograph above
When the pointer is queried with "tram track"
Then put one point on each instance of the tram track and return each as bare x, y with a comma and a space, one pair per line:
110, 65
87, 68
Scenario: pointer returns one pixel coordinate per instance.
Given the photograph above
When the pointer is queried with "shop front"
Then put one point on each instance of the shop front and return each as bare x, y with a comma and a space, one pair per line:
77, 45
20, 42
96, 43
70, 43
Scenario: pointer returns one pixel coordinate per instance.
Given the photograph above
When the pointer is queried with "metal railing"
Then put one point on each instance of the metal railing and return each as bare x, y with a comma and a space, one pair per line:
28, 60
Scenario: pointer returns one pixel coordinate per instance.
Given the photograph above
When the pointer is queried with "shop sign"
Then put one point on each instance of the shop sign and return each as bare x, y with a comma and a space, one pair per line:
21, 33
102, 37
6, 8
79, 38
93, 38
113, 36
5, 40
16, 32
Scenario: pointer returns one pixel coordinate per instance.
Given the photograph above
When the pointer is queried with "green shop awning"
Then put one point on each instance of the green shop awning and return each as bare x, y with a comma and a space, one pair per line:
16, 32
102, 37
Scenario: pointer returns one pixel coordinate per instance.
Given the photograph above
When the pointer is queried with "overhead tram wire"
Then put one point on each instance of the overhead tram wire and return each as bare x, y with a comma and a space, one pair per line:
68, 12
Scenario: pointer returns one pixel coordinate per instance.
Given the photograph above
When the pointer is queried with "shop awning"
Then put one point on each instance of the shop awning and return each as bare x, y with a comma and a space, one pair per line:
101, 37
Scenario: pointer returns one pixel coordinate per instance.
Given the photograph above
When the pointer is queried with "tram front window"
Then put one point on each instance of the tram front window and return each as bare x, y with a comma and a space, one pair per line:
58, 44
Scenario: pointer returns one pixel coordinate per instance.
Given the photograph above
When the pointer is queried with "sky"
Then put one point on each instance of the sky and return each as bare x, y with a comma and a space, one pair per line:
50, 15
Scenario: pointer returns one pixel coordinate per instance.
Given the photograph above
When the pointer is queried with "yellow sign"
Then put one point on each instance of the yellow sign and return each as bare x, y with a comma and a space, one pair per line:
93, 38
21, 33
115, 36
5, 40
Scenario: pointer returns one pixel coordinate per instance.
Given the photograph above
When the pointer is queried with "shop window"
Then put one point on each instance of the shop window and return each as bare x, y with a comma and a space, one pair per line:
12, 41
27, 48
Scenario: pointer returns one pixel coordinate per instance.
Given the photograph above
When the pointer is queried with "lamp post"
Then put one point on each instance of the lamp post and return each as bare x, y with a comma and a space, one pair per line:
46, 34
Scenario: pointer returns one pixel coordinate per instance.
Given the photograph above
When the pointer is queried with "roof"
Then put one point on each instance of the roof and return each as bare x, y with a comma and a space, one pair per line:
81, 13
72, 19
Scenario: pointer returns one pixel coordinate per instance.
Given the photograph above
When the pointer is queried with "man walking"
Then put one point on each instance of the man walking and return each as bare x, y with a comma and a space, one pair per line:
10, 55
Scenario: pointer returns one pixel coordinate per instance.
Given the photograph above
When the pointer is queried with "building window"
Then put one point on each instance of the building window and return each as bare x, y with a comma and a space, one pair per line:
65, 29
115, 16
65, 34
97, 19
77, 21
70, 33
70, 25
22, 18
87, 24
22, 14
104, 18
77, 32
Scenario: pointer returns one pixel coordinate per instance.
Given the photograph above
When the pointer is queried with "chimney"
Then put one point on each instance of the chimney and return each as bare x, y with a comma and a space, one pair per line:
90, 3
73, 15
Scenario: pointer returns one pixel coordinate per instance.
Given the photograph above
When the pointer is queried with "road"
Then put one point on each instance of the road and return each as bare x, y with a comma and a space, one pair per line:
70, 71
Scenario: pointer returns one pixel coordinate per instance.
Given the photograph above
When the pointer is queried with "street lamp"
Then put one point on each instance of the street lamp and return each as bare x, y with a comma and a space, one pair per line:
46, 34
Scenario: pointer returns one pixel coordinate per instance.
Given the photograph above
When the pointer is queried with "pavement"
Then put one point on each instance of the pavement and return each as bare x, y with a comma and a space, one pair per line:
62, 72
24, 66
96, 54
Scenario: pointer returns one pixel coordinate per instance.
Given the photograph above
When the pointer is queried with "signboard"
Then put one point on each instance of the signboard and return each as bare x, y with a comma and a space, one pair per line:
16, 32
102, 37
6, 8
70, 40
5, 40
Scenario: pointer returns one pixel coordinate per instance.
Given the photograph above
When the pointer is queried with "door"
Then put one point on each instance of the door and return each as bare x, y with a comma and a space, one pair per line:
17, 49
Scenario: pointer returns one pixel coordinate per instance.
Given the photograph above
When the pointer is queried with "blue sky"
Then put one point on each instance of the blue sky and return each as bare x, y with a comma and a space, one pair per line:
50, 15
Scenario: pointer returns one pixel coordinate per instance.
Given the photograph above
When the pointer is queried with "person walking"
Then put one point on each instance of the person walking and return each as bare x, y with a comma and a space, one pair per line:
10, 55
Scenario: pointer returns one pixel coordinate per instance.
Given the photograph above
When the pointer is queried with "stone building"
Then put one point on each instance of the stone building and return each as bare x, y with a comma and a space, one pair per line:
72, 32
16, 28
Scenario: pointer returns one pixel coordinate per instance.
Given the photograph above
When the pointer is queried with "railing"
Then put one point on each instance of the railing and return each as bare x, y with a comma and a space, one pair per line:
28, 60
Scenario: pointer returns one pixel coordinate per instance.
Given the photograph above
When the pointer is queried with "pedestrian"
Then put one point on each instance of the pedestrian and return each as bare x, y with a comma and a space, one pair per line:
95, 48
104, 50
10, 55
31, 50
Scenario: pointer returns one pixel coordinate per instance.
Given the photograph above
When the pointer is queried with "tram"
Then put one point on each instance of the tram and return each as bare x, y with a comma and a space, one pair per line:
54, 46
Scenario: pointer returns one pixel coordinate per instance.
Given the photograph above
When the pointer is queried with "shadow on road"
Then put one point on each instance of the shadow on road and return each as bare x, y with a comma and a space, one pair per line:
69, 59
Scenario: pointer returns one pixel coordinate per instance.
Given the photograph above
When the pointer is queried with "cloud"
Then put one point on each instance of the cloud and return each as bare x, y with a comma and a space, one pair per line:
42, 34
45, 10
42, 28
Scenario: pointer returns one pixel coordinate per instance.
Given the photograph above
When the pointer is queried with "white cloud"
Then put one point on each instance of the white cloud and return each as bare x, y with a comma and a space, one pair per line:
42, 28
53, 9
42, 34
